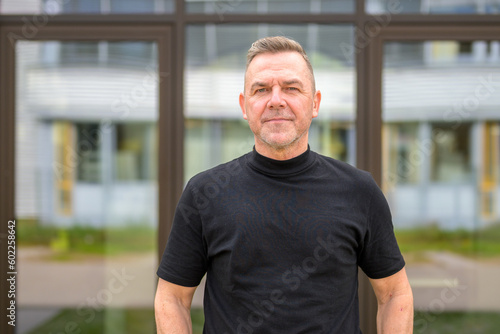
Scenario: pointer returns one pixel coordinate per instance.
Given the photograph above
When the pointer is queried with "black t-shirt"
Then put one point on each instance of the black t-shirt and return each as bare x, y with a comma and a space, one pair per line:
281, 242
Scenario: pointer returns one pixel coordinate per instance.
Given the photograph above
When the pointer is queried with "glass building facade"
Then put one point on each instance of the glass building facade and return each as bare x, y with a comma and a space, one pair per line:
109, 107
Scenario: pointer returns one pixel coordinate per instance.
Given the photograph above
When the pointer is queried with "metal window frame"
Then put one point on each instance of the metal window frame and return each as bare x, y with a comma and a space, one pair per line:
169, 31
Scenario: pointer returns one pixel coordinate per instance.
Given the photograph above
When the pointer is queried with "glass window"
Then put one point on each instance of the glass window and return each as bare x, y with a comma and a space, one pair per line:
402, 146
134, 154
54, 7
88, 153
490, 177
78, 6
441, 168
64, 157
109, 54
86, 189
77, 52
433, 7
222, 7
451, 158
132, 6
215, 66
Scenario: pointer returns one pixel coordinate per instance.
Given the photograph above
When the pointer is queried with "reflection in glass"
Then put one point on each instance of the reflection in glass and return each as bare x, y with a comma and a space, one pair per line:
215, 66
402, 142
55, 7
269, 6
86, 192
441, 163
433, 7
451, 158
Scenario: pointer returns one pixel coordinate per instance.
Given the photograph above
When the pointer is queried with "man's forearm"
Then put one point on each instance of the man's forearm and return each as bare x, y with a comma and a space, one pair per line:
172, 318
396, 316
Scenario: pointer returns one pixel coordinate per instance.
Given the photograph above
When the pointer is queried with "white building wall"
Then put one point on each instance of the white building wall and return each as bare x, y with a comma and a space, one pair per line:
28, 135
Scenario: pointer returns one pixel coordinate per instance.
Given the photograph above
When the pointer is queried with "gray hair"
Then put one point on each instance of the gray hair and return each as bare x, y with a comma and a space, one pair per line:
277, 44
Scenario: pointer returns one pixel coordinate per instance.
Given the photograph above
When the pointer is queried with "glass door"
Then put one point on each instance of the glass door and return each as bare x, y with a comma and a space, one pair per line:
441, 168
86, 185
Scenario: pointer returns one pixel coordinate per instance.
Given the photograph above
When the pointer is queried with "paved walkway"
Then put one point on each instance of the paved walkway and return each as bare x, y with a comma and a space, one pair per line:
121, 281
44, 286
444, 282
452, 282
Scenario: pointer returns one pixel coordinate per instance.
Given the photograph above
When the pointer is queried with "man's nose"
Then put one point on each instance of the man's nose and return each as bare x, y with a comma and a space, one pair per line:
276, 100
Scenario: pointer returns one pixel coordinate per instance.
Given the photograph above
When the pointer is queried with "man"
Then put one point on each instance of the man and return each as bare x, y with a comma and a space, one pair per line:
280, 232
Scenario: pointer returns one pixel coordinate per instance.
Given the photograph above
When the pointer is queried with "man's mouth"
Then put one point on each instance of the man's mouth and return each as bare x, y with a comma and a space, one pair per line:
277, 120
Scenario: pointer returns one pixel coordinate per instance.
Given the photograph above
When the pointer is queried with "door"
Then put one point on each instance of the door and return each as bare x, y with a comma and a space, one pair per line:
440, 121
84, 195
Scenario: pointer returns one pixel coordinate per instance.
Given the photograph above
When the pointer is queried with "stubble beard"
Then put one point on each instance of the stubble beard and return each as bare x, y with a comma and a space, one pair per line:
280, 145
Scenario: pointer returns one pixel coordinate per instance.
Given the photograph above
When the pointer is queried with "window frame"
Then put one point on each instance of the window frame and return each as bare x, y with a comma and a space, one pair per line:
169, 31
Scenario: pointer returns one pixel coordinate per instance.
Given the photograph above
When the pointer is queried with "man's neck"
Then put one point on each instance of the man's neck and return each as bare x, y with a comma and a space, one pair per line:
282, 153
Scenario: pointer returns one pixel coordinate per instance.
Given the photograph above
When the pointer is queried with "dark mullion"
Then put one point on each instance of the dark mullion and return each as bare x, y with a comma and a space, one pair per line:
179, 17
166, 127
39, 21
7, 163
375, 61
114, 32
438, 19
360, 8
365, 140
190, 18
171, 130
399, 32
270, 18
194, 18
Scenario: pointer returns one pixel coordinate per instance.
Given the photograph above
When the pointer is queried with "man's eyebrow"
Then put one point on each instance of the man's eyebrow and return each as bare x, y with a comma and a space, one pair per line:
257, 84
285, 83
292, 82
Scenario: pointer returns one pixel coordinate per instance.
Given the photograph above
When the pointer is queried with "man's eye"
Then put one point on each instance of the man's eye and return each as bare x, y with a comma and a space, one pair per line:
292, 88
261, 90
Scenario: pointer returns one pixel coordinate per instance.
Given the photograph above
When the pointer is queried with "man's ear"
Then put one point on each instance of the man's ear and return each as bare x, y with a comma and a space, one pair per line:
316, 103
242, 105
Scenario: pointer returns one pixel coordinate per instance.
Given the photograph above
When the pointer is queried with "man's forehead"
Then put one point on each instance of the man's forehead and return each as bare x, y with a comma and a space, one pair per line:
278, 59
269, 65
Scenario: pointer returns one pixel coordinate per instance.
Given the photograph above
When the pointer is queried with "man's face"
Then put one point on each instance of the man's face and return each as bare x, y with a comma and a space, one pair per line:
279, 102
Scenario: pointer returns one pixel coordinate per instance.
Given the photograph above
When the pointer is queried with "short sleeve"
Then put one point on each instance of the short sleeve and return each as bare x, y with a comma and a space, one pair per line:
380, 255
184, 261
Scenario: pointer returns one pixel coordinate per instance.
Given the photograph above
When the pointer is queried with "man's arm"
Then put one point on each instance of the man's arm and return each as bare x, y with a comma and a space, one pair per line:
395, 304
172, 308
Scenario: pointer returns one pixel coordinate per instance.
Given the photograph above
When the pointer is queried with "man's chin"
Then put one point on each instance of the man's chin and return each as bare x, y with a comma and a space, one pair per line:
280, 143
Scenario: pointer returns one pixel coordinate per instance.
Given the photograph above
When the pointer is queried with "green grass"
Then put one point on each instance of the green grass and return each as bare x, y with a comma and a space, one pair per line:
483, 243
141, 321
67, 242
198, 319
108, 321
456, 323
91, 321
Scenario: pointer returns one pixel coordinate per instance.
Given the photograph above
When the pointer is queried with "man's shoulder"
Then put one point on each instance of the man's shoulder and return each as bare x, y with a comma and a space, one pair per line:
343, 169
221, 174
